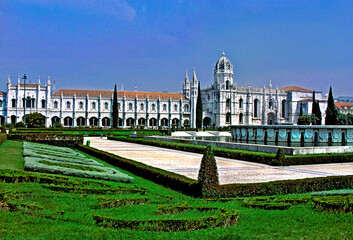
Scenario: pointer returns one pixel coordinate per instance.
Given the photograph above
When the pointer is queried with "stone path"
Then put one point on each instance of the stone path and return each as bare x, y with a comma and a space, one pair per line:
230, 170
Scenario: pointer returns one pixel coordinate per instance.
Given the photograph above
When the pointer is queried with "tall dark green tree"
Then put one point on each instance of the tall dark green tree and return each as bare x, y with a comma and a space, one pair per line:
115, 109
331, 111
199, 109
301, 109
316, 112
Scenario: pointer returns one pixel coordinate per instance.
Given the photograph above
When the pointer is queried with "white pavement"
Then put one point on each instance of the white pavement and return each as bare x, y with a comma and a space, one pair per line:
229, 170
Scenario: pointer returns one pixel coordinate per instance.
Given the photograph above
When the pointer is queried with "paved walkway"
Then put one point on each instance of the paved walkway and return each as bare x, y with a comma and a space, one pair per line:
230, 170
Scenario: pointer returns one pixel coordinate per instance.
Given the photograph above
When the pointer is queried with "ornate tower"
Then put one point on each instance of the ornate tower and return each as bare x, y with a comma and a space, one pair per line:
223, 73
186, 86
194, 85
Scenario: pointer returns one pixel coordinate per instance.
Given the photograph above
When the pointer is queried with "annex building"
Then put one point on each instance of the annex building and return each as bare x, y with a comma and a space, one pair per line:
224, 104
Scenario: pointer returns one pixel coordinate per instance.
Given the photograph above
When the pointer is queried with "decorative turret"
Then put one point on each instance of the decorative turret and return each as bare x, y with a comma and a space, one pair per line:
223, 73
39, 80
186, 86
8, 83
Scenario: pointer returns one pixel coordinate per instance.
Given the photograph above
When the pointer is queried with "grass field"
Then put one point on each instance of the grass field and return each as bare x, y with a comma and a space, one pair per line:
51, 214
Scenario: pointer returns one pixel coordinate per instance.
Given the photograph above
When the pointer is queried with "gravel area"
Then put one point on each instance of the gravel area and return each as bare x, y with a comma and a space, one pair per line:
230, 170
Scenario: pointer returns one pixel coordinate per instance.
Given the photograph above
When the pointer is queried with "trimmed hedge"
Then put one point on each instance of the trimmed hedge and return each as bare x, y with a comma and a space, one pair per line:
272, 203
224, 219
286, 186
172, 180
3, 138
62, 140
342, 204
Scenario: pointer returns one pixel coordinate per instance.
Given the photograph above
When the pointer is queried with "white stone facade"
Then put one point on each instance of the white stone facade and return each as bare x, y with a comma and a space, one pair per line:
224, 104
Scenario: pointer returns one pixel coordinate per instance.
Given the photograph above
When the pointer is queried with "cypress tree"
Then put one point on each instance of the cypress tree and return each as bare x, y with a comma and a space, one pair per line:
301, 109
316, 112
115, 109
199, 109
208, 174
331, 111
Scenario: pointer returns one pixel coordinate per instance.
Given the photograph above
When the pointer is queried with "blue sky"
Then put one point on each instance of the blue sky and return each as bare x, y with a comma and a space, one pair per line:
93, 44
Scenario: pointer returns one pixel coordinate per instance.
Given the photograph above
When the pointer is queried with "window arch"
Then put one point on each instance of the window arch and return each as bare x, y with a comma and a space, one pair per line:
175, 107
43, 103
0, 103
256, 108
81, 105
93, 105
141, 106
68, 105
228, 116
284, 102
106, 106
186, 108
240, 103
270, 104
241, 118
227, 84
164, 107
55, 104
130, 106
228, 103
13, 102
153, 107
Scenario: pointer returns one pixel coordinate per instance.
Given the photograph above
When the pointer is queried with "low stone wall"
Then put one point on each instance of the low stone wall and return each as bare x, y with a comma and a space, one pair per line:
274, 133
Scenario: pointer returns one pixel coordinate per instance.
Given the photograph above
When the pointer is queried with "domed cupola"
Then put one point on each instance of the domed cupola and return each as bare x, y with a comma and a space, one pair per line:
223, 73
223, 65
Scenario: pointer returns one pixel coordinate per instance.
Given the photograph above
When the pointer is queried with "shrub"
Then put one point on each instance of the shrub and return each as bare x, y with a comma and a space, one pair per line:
304, 120
3, 128
208, 174
20, 125
35, 120
3, 138
49, 138
343, 204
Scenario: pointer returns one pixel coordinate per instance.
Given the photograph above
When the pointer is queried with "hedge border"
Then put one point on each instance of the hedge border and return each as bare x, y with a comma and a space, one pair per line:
168, 179
63, 140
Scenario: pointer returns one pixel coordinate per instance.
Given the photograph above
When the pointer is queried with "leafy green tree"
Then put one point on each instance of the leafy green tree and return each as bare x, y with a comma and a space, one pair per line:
20, 124
115, 109
350, 119
342, 119
331, 111
199, 109
35, 120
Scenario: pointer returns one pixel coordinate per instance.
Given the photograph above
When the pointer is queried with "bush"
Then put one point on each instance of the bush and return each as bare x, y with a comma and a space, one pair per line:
342, 204
208, 174
20, 125
3, 128
35, 120
304, 120
3, 138
63, 140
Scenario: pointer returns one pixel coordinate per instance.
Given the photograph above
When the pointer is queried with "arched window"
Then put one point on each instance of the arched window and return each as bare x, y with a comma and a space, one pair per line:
153, 107
186, 108
241, 118
55, 104
13, 102
270, 104
227, 84
93, 105
141, 106
81, 105
0, 103
240, 103
43, 103
228, 103
68, 105
228, 116
175, 108
256, 108
106, 106
284, 102
130, 106
119, 106
164, 107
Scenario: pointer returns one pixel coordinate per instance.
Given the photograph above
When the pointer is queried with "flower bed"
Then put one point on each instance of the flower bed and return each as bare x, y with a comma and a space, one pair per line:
48, 159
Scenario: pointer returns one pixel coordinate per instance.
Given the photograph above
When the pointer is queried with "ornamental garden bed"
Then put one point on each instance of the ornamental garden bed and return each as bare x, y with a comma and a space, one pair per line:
51, 159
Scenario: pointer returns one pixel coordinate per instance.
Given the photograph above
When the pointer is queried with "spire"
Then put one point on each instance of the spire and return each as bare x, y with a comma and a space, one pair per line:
186, 77
194, 78
39, 80
122, 87
48, 81
223, 54
18, 80
270, 85
8, 79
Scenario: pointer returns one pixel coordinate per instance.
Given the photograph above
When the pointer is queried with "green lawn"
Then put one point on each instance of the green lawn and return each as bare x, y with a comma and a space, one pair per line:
11, 155
69, 215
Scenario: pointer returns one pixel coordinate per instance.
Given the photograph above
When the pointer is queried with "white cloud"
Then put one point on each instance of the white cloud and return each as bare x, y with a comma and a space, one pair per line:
117, 8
